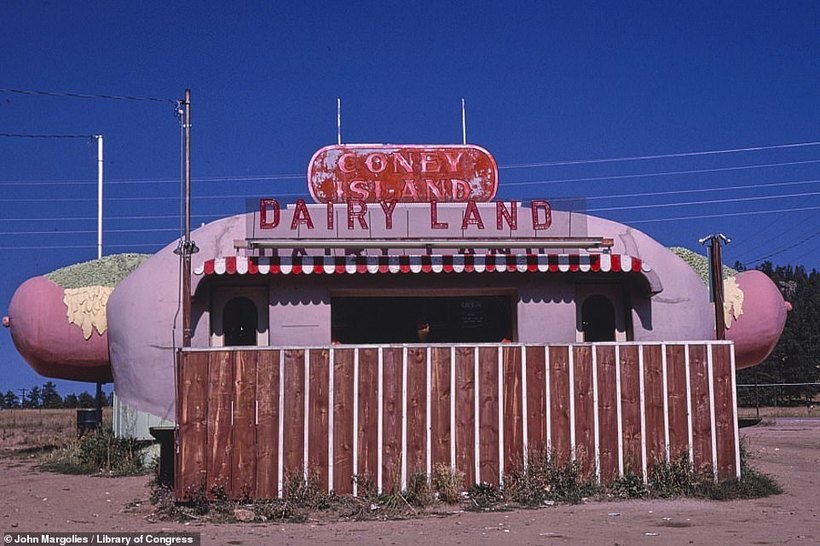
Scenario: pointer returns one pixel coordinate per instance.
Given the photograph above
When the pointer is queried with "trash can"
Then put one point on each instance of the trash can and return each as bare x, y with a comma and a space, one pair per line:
88, 420
165, 437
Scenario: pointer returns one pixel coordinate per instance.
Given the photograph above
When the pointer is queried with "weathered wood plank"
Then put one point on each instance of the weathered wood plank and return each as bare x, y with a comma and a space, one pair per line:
631, 410
293, 422
724, 411
513, 408
488, 414
368, 432
343, 421
677, 402
607, 413
584, 409
243, 481
440, 406
653, 404
267, 428
220, 446
465, 410
192, 415
701, 415
391, 418
416, 411
559, 403
319, 415
536, 400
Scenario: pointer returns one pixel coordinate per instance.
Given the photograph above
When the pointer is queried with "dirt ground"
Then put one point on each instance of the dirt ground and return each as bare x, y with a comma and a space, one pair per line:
786, 448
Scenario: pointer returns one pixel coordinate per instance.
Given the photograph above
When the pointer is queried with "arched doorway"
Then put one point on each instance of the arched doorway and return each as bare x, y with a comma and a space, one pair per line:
598, 319
240, 322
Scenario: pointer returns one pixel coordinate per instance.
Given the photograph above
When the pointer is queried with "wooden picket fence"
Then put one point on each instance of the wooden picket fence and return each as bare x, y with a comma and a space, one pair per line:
250, 418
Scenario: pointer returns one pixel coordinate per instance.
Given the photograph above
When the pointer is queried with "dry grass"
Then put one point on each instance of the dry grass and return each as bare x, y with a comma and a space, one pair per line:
32, 430
787, 411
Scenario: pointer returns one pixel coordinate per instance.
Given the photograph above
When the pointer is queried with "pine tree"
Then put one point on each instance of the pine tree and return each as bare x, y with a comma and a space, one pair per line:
33, 399
86, 400
50, 398
10, 400
796, 358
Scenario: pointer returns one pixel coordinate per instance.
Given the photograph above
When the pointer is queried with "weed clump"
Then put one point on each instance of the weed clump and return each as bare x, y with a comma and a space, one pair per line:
97, 453
546, 479
447, 483
627, 486
484, 497
419, 492
676, 478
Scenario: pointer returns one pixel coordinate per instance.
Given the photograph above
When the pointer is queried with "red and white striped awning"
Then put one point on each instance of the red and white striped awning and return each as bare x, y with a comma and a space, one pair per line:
423, 263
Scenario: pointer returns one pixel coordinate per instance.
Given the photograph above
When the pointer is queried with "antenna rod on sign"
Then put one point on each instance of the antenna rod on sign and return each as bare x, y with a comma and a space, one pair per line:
463, 123
338, 120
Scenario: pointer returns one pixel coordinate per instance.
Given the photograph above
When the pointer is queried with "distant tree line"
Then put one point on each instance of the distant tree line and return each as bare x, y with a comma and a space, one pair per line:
47, 397
796, 358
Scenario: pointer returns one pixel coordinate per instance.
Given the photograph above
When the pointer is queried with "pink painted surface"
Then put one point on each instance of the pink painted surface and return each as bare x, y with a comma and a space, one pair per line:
758, 329
48, 342
372, 173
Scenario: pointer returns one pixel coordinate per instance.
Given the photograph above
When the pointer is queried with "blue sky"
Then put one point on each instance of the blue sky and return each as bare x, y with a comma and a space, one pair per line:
544, 83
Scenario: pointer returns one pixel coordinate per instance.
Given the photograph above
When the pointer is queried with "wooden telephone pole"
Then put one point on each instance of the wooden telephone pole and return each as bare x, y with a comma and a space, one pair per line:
716, 279
187, 247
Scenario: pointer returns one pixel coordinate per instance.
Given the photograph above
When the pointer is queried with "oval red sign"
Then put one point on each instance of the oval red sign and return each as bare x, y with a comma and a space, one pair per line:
414, 174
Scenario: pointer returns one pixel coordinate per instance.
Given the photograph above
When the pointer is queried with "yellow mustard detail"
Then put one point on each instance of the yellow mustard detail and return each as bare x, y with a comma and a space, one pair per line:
732, 301
86, 308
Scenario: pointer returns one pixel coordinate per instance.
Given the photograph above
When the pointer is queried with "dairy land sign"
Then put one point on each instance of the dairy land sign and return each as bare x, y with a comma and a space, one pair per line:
374, 190
356, 215
406, 174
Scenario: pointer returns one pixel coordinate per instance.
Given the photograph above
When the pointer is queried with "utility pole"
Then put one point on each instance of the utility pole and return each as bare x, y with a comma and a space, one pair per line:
99, 243
188, 247
99, 194
716, 279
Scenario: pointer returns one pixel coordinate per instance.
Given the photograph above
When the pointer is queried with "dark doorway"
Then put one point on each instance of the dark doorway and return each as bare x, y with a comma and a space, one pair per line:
598, 319
413, 319
240, 322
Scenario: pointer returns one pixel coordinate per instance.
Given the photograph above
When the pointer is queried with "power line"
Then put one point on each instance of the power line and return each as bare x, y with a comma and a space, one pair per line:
62, 247
23, 135
661, 173
263, 177
80, 232
296, 194
782, 250
122, 181
764, 228
89, 218
721, 215
661, 156
702, 190
147, 198
707, 202
87, 96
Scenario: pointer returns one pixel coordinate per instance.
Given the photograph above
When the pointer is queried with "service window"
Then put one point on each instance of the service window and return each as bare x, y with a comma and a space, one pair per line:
421, 319
598, 319
239, 317
602, 313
